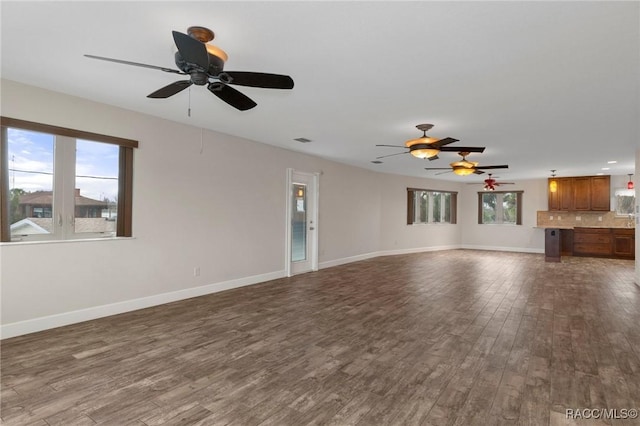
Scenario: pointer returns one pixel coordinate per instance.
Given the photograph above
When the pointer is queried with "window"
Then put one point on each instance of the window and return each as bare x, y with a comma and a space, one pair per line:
625, 202
59, 183
428, 206
497, 207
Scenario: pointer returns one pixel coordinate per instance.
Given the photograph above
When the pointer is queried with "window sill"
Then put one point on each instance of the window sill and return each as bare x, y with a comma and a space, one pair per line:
77, 240
430, 223
501, 224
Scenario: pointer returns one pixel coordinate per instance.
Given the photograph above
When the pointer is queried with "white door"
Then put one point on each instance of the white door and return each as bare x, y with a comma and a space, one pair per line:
302, 222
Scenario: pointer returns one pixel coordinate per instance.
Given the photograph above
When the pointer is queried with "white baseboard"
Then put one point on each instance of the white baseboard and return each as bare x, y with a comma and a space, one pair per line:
512, 249
73, 317
418, 250
345, 260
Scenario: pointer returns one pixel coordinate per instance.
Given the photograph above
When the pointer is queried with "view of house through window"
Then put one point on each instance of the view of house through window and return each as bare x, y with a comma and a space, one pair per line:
500, 207
96, 187
40, 207
61, 187
427, 206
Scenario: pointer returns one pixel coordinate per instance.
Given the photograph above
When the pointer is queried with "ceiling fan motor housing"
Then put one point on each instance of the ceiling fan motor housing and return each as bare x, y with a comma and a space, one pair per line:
198, 76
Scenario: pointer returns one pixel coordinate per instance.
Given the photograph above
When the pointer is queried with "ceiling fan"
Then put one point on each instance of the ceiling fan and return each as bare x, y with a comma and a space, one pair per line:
466, 167
204, 64
490, 184
428, 147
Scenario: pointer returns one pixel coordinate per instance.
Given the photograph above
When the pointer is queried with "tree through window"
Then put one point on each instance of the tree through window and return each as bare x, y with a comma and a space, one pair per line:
497, 207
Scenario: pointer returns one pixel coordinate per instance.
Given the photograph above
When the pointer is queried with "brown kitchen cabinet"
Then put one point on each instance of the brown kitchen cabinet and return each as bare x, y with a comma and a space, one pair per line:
618, 243
581, 193
601, 193
592, 242
624, 243
566, 194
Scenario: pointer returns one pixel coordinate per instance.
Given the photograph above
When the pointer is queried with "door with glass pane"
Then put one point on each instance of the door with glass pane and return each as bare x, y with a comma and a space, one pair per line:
302, 221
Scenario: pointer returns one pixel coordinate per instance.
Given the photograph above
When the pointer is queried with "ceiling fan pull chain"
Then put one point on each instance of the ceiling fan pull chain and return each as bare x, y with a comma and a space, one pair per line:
189, 109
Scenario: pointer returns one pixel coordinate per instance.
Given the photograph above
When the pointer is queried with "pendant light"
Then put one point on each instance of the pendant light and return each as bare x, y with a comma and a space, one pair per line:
630, 183
553, 184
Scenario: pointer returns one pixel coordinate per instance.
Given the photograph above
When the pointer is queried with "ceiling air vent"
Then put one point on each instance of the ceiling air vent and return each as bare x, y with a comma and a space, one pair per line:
302, 140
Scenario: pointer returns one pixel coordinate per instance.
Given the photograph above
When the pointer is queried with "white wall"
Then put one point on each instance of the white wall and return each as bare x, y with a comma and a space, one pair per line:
208, 205
525, 238
395, 234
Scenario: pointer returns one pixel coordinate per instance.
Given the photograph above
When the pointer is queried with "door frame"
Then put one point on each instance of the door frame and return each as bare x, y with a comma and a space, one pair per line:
312, 242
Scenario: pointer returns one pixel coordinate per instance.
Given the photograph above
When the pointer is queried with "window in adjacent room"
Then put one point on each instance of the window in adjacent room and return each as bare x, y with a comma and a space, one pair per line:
625, 202
59, 183
498, 207
429, 206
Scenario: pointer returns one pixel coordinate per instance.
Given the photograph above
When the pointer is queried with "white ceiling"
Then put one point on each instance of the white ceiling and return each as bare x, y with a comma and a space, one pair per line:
543, 85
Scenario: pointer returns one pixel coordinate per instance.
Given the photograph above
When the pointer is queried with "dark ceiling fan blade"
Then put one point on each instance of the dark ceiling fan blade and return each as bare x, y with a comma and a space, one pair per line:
478, 172
391, 155
394, 146
192, 51
462, 149
435, 157
443, 142
171, 89
437, 168
441, 173
503, 166
257, 79
231, 96
137, 64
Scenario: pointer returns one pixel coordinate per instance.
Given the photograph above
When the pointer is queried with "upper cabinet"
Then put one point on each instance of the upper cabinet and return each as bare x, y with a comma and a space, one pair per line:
581, 193
601, 193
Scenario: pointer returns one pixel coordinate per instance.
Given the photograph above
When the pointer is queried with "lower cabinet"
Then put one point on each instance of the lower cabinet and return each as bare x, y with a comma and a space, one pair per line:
592, 242
624, 243
604, 242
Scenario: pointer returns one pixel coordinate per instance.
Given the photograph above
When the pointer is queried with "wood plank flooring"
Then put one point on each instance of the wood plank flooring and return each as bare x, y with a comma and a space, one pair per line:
445, 338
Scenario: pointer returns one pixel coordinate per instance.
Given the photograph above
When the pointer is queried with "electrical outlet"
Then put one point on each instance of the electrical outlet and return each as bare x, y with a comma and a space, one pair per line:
578, 218
196, 271
599, 218
550, 217
559, 217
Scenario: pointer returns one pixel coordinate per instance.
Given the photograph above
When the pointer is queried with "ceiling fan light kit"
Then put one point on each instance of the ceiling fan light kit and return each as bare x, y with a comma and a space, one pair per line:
465, 167
421, 147
426, 147
630, 183
205, 35
463, 170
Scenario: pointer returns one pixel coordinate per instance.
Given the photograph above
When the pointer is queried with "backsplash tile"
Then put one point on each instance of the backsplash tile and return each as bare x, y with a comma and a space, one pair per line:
587, 219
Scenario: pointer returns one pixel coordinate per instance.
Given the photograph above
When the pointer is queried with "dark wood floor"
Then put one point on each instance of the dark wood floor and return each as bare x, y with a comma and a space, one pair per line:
455, 337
